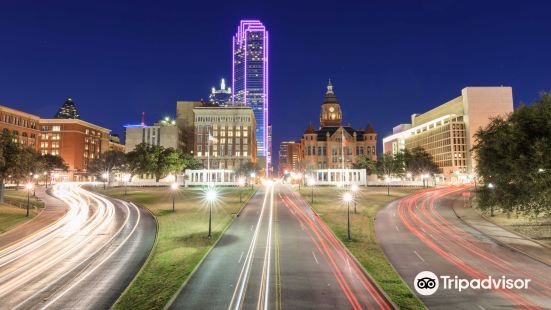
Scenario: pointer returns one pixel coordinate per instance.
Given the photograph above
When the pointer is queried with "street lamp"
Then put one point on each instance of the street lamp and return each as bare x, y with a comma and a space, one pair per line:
105, 177
29, 186
253, 175
241, 183
491, 187
125, 179
35, 177
174, 186
347, 198
211, 198
311, 183
299, 178
354, 190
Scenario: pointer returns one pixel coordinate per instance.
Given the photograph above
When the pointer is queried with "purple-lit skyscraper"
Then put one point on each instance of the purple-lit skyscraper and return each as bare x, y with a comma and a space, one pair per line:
250, 78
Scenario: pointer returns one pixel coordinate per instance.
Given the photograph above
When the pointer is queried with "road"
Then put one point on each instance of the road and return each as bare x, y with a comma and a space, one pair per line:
421, 232
278, 254
84, 260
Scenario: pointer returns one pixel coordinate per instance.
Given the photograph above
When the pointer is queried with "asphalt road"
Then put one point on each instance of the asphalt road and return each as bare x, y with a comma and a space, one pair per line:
421, 232
278, 254
84, 260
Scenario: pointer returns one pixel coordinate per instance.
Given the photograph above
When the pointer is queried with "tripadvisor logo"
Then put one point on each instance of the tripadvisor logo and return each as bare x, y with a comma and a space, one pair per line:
427, 283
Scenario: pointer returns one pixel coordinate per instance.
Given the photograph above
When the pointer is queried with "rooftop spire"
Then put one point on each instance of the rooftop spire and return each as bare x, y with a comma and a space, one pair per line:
223, 84
329, 88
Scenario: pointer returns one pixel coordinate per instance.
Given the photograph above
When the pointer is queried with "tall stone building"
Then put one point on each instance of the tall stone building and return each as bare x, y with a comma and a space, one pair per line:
332, 145
163, 133
68, 110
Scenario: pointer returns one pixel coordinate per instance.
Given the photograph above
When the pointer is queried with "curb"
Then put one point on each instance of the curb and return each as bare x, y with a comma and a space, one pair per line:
394, 306
501, 242
173, 298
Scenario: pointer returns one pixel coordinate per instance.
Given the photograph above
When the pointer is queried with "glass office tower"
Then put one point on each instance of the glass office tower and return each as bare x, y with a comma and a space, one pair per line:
250, 78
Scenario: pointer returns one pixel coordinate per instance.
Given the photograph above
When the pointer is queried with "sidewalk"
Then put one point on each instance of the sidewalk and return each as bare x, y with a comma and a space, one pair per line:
53, 210
511, 239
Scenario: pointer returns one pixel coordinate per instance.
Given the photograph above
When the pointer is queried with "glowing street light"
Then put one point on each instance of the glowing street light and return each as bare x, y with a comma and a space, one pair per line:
28, 187
354, 189
408, 175
212, 195
347, 198
241, 184
174, 186
253, 175
105, 177
491, 186
312, 182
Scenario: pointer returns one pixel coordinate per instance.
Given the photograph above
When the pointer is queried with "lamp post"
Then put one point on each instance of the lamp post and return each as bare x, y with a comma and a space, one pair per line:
174, 187
241, 183
46, 179
35, 177
354, 190
105, 177
125, 179
253, 175
347, 198
311, 183
29, 186
387, 180
491, 187
299, 178
211, 197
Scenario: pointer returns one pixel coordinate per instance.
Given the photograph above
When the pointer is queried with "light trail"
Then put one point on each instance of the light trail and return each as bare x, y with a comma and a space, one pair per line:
66, 252
461, 248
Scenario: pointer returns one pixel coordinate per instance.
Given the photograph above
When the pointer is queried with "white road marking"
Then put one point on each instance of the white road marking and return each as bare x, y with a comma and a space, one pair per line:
398, 230
423, 230
252, 227
240, 257
481, 308
301, 225
348, 263
315, 258
418, 256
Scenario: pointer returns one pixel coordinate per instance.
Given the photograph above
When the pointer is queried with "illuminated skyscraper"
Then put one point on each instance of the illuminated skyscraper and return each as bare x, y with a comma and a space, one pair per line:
222, 96
250, 78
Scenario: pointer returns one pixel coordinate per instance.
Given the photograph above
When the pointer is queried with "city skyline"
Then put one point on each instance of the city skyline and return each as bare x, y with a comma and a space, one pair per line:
103, 66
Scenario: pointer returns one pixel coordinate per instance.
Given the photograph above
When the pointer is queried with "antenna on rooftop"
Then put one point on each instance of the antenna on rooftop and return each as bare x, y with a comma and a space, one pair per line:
143, 119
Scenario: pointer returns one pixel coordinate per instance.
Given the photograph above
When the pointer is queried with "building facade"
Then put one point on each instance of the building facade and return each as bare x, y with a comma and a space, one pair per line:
332, 145
220, 97
115, 143
185, 124
447, 131
24, 127
224, 136
250, 78
76, 141
163, 133
289, 156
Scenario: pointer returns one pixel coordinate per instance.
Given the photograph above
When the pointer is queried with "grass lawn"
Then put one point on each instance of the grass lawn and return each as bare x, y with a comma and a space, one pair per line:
539, 230
13, 211
182, 239
364, 246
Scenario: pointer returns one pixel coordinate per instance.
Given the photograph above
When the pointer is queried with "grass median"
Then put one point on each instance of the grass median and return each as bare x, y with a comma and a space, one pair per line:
181, 241
364, 246
14, 209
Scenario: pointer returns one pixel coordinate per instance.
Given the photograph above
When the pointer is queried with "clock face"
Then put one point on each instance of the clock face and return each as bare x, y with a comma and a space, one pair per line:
331, 109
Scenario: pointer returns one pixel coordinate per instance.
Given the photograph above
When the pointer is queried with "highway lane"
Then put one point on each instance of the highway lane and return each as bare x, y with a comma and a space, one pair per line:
279, 255
85, 260
421, 232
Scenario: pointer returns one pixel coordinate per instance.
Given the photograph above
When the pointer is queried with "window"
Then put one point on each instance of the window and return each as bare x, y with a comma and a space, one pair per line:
55, 136
56, 128
55, 144
55, 152
43, 144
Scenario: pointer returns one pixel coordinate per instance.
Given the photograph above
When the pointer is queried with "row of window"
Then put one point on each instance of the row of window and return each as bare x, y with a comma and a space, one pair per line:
224, 154
322, 150
19, 121
218, 119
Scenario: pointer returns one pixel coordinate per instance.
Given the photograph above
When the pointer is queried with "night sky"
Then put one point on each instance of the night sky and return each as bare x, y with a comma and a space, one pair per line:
387, 59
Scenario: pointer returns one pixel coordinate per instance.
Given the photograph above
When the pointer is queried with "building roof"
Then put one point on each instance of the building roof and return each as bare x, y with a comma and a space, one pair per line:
67, 110
323, 131
73, 121
310, 129
369, 128
329, 94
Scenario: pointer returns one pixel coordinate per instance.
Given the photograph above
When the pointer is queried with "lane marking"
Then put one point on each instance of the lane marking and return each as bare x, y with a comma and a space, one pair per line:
315, 258
240, 257
419, 256
348, 263
252, 227
481, 308
423, 230
398, 230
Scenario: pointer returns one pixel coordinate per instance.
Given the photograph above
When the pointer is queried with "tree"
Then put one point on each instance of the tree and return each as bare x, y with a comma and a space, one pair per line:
109, 162
28, 163
365, 162
164, 161
247, 168
512, 154
139, 160
418, 161
49, 163
390, 165
9, 155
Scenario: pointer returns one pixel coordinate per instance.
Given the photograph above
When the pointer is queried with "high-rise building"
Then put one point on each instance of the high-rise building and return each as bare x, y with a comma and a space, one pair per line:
250, 78
289, 156
447, 132
222, 96
163, 133
67, 110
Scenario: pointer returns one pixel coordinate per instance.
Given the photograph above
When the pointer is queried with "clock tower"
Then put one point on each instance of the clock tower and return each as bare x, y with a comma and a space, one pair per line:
331, 115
